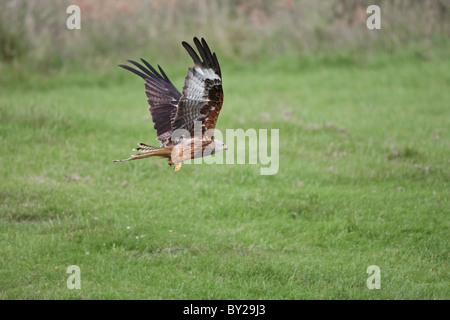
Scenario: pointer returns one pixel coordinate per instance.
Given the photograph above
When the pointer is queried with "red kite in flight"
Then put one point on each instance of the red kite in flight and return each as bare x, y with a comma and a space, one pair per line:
176, 114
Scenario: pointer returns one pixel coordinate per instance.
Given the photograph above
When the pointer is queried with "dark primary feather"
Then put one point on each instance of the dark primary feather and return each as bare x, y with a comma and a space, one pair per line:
202, 92
162, 96
209, 60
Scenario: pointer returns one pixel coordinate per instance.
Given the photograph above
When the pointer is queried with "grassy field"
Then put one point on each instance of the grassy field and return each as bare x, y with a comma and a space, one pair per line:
363, 180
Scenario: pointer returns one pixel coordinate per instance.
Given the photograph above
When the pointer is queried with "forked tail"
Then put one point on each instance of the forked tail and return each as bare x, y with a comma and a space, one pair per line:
147, 152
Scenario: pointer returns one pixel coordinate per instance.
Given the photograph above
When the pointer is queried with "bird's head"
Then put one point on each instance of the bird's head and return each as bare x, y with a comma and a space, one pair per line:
219, 146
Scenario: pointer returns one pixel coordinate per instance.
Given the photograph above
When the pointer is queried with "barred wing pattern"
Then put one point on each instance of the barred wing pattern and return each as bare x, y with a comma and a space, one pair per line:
202, 96
162, 97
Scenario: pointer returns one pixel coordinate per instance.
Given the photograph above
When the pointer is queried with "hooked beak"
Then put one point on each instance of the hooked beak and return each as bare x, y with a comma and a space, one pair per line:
225, 147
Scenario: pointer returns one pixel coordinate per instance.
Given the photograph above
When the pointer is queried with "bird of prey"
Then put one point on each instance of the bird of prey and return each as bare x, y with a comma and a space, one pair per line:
185, 121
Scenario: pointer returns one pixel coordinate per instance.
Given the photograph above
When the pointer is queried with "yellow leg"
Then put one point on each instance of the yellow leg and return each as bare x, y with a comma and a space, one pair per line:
177, 167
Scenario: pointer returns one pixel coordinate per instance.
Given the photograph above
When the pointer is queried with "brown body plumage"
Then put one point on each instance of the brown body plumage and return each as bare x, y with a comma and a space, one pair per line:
200, 101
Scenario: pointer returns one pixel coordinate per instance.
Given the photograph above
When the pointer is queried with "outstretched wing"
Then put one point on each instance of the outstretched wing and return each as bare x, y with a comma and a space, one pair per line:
162, 97
202, 92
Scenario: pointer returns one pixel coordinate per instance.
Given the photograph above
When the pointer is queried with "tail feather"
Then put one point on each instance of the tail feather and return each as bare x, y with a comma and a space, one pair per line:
145, 148
147, 152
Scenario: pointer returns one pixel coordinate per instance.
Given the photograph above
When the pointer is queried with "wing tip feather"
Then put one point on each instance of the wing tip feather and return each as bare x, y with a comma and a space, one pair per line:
208, 59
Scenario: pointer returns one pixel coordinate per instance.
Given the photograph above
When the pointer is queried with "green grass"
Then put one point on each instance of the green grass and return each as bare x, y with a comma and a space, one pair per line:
363, 180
